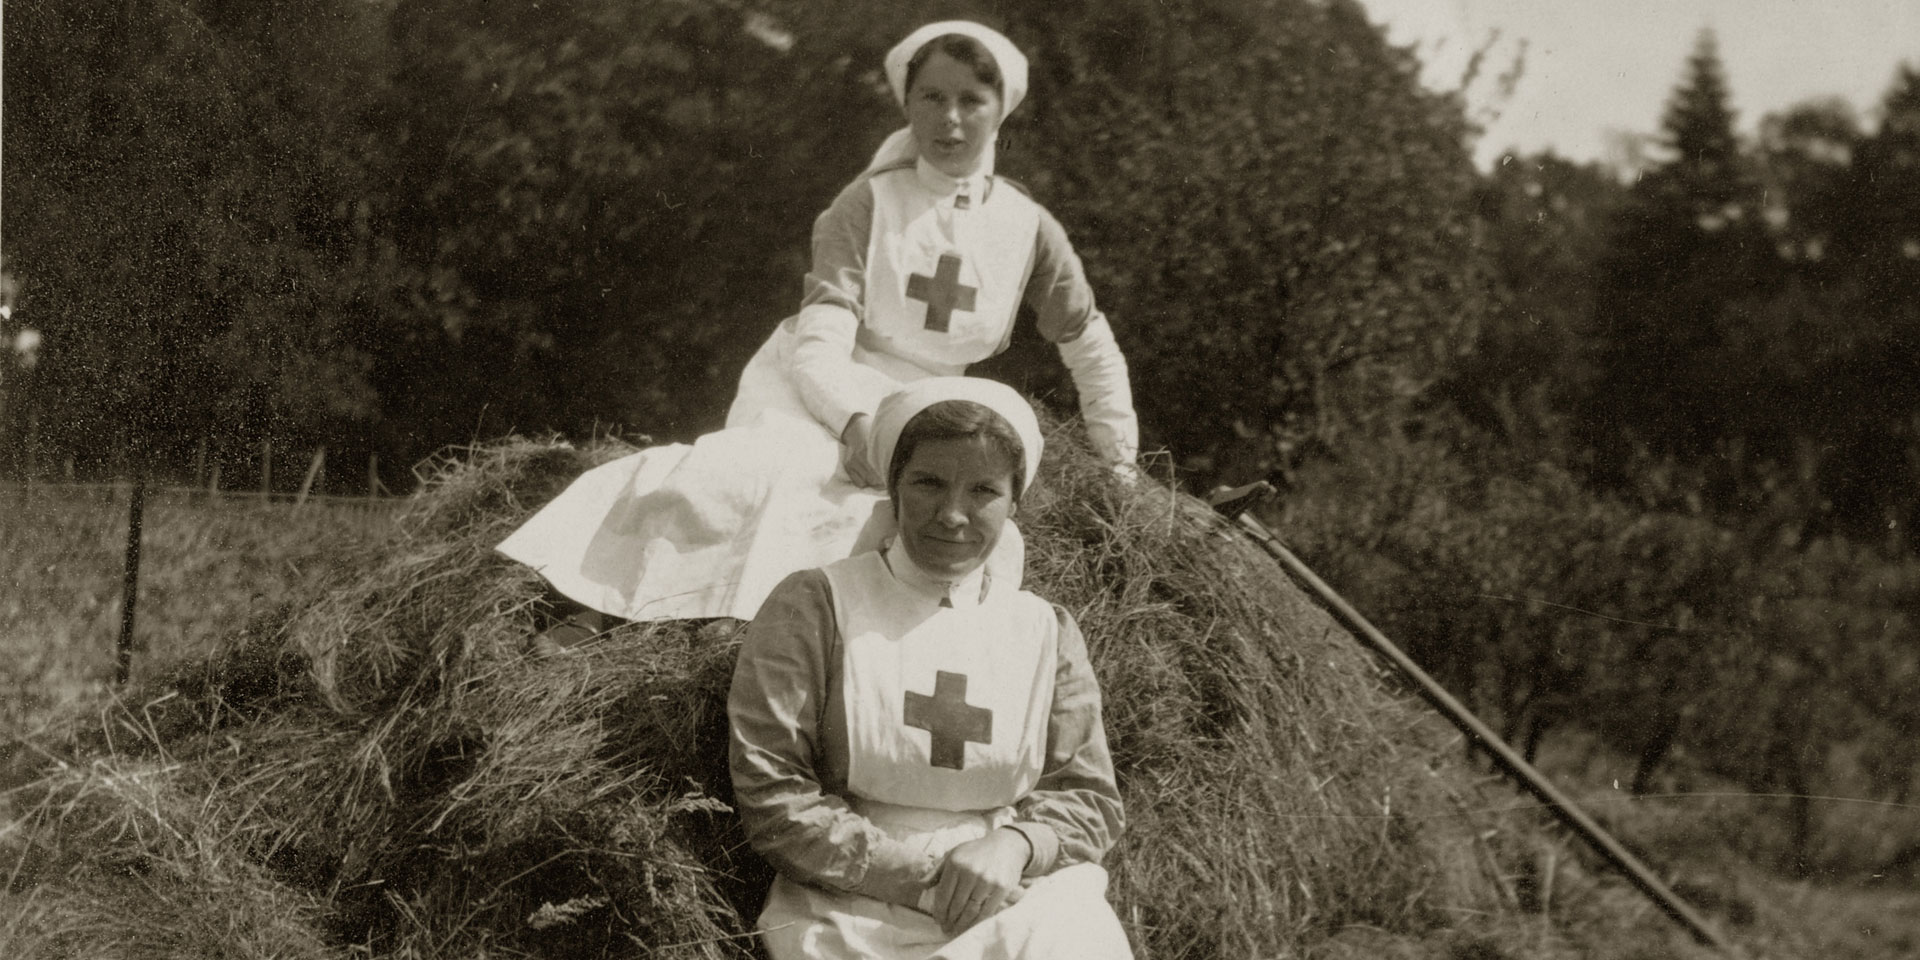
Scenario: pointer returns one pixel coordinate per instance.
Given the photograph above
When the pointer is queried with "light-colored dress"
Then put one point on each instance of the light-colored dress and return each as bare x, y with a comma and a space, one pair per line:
915, 274
879, 720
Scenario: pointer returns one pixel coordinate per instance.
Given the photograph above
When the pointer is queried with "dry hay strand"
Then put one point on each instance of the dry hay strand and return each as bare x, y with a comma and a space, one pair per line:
120, 864
1271, 773
393, 747
390, 768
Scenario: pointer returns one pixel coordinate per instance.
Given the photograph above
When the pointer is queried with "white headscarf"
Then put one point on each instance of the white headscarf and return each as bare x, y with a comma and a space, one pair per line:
899, 145
904, 404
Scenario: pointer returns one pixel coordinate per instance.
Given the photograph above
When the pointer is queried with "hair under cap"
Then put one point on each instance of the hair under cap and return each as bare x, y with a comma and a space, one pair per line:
899, 146
904, 404
1006, 56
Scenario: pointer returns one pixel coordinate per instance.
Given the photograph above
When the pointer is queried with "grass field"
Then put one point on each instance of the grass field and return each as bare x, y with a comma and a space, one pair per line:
206, 568
210, 569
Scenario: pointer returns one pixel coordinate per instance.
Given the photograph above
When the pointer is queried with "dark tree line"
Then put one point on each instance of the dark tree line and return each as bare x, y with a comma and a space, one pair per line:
397, 225
1667, 498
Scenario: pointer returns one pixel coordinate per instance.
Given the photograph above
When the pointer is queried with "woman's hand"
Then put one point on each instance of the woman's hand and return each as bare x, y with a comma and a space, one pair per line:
854, 441
977, 878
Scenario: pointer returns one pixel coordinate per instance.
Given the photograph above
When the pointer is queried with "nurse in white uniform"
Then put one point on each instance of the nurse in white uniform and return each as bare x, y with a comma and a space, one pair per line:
918, 269
917, 745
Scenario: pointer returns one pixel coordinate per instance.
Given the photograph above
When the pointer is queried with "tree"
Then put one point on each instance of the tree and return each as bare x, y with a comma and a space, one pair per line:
181, 171
1887, 191
1273, 210
1826, 359
1546, 222
1688, 241
592, 206
1882, 253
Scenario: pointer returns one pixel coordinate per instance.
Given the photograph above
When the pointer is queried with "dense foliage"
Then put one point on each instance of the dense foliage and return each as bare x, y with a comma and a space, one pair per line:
1667, 501
183, 178
587, 212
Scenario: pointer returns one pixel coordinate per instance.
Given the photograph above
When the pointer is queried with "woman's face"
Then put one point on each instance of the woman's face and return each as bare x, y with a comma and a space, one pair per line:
953, 497
953, 115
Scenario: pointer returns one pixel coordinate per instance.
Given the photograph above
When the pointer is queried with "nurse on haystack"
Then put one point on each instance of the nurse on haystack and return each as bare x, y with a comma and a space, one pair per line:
917, 744
919, 266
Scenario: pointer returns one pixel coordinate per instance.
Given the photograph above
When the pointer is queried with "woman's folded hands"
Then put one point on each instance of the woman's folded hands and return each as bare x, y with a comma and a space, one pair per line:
979, 878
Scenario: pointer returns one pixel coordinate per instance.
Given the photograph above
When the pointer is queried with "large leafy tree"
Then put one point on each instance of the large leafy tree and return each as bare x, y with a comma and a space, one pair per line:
599, 209
1546, 220
1272, 208
1879, 250
179, 173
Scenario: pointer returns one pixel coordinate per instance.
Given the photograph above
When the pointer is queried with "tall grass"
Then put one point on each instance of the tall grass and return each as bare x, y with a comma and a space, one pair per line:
207, 567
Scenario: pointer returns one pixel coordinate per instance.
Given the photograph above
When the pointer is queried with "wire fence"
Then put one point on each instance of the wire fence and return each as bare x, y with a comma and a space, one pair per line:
371, 515
134, 566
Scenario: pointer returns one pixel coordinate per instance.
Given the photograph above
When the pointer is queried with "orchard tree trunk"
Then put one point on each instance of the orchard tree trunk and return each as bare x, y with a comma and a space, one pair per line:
1536, 731
1655, 753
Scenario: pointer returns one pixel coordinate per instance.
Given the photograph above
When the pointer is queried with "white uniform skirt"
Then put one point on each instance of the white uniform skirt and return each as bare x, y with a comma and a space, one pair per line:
1062, 916
708, 529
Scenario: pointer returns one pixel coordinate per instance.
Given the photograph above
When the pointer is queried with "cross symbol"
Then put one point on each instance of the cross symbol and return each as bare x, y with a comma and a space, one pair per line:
943, 292
947, 716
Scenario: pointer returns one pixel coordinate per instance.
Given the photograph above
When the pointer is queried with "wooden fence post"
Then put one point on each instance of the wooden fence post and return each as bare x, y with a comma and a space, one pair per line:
132, 586
313, 471
373, 474
266, 469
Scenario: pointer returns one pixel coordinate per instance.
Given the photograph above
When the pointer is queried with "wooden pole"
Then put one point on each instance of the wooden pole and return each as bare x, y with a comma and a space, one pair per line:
266, 469
131, 593
200, 463
313, 470
373, 474
213, 482
1515, 766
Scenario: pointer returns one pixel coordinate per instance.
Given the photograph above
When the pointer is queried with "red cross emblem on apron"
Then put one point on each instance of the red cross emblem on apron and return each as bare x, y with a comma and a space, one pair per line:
943, 292
950, 719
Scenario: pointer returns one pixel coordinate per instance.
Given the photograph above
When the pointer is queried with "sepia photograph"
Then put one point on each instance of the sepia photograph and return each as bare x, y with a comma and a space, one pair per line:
960, 479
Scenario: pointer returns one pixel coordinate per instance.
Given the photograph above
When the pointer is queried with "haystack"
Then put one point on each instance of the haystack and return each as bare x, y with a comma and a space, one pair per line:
388, 767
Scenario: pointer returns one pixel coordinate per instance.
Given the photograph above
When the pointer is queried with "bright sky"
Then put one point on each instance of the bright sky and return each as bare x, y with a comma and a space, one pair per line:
1598, 68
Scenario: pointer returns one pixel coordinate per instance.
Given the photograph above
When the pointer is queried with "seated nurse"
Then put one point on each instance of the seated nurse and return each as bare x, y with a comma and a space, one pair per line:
919, 269
916, 748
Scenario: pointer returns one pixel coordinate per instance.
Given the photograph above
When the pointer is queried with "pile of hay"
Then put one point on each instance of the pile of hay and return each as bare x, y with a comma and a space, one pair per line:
389, 767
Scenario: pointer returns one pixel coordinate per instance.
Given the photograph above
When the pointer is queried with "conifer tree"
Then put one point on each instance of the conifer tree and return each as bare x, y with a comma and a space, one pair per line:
1887, 174
1706, 170
1687, 242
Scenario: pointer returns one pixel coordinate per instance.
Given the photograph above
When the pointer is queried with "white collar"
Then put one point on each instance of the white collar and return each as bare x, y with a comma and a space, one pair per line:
968, 591
974, 184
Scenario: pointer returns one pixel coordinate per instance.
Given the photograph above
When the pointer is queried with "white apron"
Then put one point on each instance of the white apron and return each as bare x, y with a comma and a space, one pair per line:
709, 529
946, 719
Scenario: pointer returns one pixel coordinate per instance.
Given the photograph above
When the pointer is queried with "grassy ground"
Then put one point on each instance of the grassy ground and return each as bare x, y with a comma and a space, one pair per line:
1722, 849
209, 570
205, 570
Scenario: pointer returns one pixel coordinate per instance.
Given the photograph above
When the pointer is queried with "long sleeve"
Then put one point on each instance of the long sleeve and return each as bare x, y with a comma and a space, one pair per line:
1063, 304
832, 385
1073, 814
776, 704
